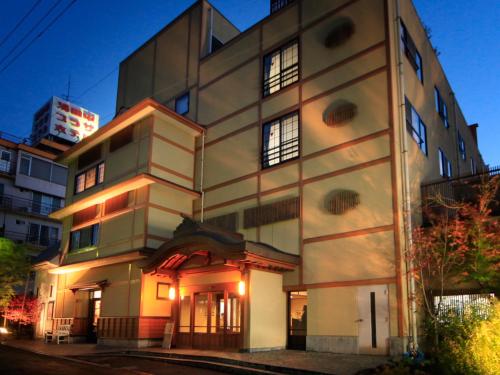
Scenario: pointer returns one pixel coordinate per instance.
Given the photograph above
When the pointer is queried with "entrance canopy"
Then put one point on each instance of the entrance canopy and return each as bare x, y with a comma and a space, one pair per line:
192, 238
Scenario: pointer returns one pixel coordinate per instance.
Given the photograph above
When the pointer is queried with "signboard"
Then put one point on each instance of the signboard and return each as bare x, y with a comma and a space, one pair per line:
64, 120
167, 335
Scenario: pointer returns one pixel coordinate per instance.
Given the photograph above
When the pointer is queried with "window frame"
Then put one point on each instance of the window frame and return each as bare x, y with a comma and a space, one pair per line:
266, 86
96, 168
422, 140
121, 139
408, 42
281, 143
95, 232
29, 158
461, 147
445, 167
441, 107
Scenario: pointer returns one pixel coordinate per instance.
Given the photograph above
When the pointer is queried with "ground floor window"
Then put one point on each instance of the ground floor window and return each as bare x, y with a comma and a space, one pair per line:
297, 320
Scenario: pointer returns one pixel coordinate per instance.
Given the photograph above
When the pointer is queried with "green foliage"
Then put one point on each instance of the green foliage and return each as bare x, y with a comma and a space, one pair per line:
469, 343
14, 267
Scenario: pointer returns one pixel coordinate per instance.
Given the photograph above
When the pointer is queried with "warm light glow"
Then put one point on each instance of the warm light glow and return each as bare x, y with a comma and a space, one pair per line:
171, 293
181, 293
241, 288
3, 331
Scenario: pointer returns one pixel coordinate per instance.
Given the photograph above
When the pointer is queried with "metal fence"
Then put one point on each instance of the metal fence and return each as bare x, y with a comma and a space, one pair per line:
23, 205
461, 304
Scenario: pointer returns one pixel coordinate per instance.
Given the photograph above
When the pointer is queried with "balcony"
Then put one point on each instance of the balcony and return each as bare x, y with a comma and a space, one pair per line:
26, 206
37, 241
461, 189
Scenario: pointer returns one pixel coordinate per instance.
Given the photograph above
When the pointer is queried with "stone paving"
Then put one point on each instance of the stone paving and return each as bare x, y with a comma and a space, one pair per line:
329, 363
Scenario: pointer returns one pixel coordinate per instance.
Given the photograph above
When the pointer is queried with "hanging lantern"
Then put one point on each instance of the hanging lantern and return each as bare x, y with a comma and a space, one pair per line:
171, 293
241, 288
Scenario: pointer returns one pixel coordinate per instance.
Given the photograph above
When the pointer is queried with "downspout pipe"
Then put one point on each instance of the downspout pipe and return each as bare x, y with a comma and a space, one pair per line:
407, 218
202, 167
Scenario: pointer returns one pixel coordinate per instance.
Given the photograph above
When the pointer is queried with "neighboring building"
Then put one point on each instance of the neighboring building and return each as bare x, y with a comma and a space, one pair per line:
32, 186
288, 150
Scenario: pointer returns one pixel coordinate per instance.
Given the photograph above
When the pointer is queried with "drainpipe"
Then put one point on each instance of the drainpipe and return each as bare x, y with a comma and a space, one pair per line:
202, 166
406, 178
455, 125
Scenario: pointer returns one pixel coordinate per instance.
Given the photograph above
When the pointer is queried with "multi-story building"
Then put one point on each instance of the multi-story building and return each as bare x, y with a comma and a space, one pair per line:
257, 188
32, 186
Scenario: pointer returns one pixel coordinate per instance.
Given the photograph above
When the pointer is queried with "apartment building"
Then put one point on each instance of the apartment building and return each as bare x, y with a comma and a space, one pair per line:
255, 188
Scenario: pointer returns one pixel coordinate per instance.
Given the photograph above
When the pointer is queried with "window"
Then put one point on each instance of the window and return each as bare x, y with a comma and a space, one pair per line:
444, 165
281, 68
20, 222
5, 161
45, 204
280, 140
216, 44
441, 107
122, 138
117, 203
42, 235
162, 290
461, 147
89, 178
279, 4
83, 238
416, 126
89, 157
42, 169
473, 167
411, 52
182, 104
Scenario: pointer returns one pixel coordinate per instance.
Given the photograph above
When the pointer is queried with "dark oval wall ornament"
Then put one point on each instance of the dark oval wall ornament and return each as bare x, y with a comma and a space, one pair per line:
338, 202
340, 33
340, 113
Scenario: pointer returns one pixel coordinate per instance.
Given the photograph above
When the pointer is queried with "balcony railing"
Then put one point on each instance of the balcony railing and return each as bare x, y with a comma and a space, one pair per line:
460, 189
37, 241
22, 205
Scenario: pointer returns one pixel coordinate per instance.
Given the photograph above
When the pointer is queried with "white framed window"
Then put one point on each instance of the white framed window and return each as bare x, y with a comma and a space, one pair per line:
445, 169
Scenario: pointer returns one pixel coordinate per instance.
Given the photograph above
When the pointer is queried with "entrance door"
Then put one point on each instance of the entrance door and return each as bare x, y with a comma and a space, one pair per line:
297, 320
373, 309
93, 316
210, 320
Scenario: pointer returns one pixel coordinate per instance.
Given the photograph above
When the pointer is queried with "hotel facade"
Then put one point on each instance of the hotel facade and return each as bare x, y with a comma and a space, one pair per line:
256, 188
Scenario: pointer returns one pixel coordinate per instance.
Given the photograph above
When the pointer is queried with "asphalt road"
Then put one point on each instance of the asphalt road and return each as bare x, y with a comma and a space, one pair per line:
19, 362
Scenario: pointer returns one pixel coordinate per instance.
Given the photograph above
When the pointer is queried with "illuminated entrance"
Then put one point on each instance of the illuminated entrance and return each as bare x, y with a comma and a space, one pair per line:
210, 273
210, 319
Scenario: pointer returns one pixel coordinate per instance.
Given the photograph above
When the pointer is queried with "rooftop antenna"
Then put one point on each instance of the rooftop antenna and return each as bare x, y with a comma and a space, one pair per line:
68, 90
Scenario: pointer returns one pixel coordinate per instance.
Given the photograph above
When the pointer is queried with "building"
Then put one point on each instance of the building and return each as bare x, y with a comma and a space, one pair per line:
256, 188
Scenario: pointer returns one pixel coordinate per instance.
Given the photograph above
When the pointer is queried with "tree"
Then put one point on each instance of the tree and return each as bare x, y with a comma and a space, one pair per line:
14, 267
23, 310
460, 245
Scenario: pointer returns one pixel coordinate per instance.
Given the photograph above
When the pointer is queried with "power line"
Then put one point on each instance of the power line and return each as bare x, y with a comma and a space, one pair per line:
90, 88
25, 36
38, 36
19, 23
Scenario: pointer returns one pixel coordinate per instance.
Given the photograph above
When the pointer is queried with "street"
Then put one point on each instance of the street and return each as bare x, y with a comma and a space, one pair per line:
19, 362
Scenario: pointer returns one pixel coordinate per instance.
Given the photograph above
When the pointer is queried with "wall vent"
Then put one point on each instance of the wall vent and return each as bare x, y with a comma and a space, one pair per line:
340, 113
339, 202
341, 31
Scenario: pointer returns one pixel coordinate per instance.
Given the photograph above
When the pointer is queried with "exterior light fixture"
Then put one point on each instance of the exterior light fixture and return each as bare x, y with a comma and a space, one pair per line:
181, 293
171, 293
3, 331
241, 288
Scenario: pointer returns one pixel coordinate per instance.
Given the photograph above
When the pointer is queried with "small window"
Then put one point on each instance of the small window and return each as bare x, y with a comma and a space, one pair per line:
279, 4
25, 165
117, 203
280, 140
416, 126
444, 165
441, 107
42, 169
411, 52
216, 44
87, 214
473, 167
182, 104
59, 175
20, 222
89, 178
281, 68
51, 292
84, 238
122, 138
461, 147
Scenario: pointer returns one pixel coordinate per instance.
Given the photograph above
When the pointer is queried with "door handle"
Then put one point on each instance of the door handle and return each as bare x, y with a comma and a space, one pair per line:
358, 321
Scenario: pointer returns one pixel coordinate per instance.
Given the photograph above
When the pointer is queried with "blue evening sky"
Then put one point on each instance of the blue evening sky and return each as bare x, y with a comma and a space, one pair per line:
91, 39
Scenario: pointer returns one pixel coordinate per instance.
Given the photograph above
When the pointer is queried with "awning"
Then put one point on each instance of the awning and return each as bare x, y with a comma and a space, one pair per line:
89, 285
192, 237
